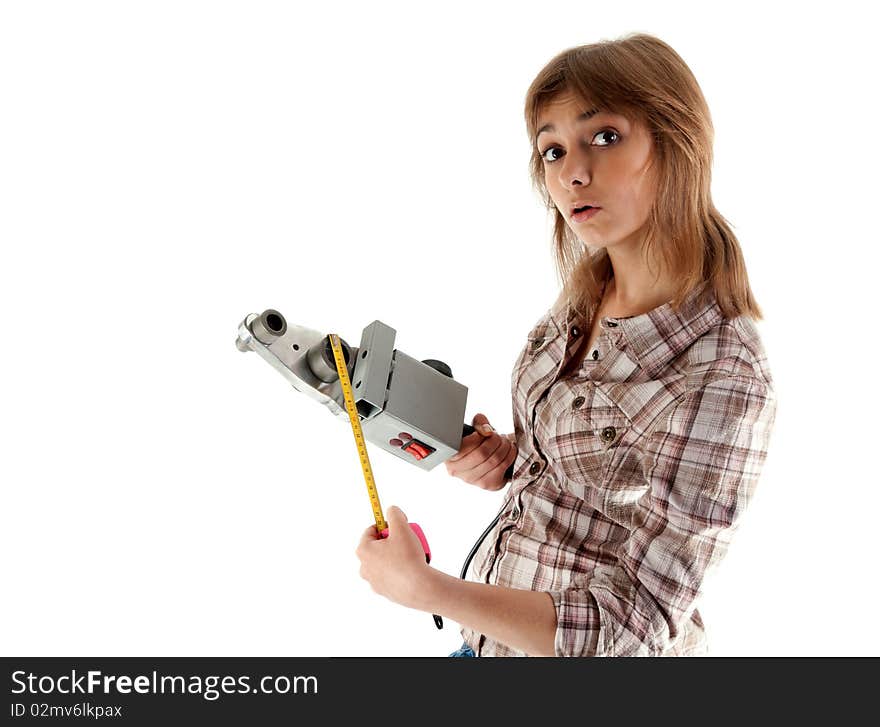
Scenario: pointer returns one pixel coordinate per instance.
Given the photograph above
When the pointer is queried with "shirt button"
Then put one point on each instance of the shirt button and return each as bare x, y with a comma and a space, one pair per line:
596, 355
578, 402
611, 324
608, 434
537, 344
534, 469
575, 331
515, 512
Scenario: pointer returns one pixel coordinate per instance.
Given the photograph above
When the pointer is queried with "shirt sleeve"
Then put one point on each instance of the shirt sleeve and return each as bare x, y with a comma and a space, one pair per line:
702, 463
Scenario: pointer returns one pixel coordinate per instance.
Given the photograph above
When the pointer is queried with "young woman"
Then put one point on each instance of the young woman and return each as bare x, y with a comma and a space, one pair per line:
642, 399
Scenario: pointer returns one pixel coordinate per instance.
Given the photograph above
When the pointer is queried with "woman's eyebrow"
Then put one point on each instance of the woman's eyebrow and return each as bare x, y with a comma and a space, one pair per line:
583, 117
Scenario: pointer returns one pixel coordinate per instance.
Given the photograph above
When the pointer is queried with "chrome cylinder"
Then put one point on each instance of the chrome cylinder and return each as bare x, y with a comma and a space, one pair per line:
268, 326
321, 361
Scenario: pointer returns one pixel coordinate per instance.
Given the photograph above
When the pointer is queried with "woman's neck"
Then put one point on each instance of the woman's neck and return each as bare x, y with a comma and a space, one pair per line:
617, 305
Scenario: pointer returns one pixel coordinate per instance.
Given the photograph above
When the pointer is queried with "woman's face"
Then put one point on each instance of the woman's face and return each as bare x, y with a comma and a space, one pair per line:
603, 161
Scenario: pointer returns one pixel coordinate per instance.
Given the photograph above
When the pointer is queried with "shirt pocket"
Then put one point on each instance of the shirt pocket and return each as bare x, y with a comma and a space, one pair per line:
537, 355
537, 340
585, 441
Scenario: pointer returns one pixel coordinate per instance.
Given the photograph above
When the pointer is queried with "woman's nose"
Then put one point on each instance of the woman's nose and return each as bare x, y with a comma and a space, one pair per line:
575, 169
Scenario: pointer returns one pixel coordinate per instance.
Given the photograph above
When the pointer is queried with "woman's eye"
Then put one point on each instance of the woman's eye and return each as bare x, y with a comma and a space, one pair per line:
547, 151
606, 131
602, 133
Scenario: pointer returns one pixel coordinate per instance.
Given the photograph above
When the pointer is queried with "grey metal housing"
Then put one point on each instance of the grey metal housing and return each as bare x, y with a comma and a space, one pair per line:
394, 393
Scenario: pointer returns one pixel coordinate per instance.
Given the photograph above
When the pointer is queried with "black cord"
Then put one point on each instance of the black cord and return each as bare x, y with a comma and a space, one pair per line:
479, 542
508, 475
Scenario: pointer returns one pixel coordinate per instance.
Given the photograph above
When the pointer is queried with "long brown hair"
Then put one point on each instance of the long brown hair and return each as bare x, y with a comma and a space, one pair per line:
644, 79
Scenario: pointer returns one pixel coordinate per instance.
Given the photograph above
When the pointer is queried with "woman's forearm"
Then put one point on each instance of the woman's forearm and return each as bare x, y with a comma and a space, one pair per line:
523, 620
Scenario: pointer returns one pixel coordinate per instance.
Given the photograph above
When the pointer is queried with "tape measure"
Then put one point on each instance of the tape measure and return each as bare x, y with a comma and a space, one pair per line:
355, 420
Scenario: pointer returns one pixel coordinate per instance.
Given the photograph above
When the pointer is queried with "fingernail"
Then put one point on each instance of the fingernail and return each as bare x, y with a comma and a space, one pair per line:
486, 428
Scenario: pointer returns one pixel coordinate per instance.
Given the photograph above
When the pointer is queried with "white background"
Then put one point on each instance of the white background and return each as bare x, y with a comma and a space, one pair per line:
168, 167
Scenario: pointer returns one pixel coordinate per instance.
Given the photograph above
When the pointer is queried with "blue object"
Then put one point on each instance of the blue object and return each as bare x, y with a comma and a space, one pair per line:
465, 650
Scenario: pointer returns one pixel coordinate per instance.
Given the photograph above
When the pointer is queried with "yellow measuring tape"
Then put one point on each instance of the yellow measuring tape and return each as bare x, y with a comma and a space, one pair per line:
355, 420
353, 416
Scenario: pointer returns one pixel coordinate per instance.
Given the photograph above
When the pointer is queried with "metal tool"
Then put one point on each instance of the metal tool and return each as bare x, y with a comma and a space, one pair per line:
410, 408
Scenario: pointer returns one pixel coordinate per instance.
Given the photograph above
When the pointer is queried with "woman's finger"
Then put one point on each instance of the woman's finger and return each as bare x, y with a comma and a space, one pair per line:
468, 445
495, 458
478, 459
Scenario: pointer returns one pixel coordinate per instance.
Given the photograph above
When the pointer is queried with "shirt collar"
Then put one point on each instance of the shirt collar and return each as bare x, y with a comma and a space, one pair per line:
659, 336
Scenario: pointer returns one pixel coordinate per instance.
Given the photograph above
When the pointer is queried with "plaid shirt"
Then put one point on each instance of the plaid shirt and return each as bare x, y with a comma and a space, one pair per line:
632, 474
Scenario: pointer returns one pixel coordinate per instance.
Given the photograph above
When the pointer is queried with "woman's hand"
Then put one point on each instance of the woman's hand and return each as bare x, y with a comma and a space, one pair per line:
395, 566
484, 456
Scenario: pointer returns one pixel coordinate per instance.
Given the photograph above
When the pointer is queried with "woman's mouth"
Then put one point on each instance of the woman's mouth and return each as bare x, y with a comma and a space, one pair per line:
582, 214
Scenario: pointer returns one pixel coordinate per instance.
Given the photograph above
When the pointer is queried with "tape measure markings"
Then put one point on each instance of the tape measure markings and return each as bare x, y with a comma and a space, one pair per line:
356, 430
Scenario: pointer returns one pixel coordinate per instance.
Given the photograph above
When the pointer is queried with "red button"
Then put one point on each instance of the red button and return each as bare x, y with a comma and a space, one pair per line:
418, 448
